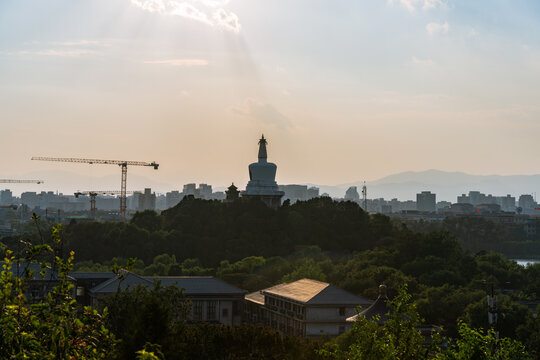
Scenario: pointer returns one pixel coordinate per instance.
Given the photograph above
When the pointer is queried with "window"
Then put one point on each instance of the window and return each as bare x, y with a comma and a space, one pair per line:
341, 311
225, 313
197, 310
211, 310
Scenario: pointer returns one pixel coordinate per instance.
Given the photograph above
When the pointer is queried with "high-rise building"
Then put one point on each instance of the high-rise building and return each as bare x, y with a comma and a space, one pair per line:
173, 198
189, 189
6, 197
508, 203
426, 201
146, 200
30, 199
526, 203
204, 192
352, 194
313, 192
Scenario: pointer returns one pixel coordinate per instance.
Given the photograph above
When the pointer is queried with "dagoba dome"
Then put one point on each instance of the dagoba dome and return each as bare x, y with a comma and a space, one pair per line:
262, 179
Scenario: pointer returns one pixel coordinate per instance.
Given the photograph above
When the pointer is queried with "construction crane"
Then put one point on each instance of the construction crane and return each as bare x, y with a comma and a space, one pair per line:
10, 181
122, 163
93, 195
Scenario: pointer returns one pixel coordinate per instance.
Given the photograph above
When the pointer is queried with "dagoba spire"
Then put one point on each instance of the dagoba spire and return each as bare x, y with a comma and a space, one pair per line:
262, 149
262, 179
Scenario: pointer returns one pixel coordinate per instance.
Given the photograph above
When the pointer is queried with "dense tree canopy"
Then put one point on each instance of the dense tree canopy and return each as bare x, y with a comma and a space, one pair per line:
253, 247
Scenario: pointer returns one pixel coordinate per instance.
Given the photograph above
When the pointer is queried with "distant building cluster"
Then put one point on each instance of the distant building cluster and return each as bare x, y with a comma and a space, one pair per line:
426, 203
295, 193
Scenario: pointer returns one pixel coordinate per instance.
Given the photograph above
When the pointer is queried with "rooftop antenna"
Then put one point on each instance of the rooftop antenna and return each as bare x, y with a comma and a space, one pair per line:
364, 195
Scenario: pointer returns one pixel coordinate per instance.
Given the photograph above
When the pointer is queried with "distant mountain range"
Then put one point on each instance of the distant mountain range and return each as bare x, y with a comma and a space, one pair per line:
447, 185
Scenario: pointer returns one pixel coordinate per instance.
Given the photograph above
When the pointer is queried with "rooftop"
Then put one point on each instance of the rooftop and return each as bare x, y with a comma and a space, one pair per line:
313, 292
192, 285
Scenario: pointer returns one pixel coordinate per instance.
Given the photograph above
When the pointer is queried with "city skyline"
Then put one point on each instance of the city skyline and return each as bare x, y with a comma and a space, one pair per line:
361, 90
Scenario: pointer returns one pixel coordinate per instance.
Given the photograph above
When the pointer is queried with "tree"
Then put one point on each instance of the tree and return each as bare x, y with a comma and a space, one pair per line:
479, 345
398, 338
55, 327
142, 315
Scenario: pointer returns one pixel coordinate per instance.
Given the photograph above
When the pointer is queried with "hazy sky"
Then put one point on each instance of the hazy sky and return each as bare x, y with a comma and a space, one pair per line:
343, 90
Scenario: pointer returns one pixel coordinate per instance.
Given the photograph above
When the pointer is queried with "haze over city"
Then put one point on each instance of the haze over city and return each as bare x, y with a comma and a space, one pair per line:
344, 91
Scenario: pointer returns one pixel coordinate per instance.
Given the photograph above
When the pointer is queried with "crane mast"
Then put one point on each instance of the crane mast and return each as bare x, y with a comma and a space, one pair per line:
122, 163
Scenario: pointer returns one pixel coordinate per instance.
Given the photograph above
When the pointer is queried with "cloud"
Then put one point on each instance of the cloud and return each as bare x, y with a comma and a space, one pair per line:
214, 3
226, 20
81, 43
432, 4
209, 12
76, 48
413, 5
179, 62
191, 12
426, 62
436, 28
265, 113
59, 53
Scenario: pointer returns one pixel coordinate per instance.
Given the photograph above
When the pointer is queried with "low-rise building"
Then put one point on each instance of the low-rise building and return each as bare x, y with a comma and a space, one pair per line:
212, 300
306, 308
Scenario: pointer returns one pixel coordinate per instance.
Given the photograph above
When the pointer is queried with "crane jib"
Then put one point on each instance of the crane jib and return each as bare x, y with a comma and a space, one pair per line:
123, 163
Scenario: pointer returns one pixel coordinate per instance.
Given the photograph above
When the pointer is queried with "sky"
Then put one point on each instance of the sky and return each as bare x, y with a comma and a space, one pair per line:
343, 90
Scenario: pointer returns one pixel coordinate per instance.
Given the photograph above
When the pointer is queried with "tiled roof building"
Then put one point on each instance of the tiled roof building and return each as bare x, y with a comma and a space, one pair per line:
306, 307
212, 300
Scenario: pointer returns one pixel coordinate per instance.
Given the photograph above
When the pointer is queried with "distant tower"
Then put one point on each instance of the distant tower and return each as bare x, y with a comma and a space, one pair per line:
232, 193
262, 179
364, 195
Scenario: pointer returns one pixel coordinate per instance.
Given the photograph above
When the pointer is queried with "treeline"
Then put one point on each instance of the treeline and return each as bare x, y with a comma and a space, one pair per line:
212, 231
478, 234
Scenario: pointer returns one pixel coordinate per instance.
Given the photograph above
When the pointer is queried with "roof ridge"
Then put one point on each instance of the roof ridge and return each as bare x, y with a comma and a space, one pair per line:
116, 278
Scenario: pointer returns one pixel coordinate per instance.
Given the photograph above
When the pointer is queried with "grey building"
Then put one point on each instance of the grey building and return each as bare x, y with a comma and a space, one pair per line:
352, 194
145, 201
212, 300
306, 308
426, 201
173, 198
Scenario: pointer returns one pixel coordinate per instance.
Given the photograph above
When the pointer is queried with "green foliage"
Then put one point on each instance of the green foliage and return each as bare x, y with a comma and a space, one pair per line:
510, 315
253, 247
147, 219
141, 315
54, 327
479, 345
232, 230
247, 342
529, 333
150, 352
397, 338
307, 268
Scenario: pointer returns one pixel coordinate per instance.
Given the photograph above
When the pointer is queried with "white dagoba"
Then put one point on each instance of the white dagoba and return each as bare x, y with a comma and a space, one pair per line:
262, 179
